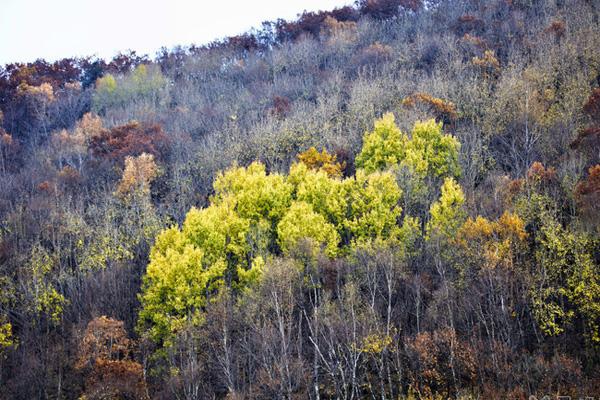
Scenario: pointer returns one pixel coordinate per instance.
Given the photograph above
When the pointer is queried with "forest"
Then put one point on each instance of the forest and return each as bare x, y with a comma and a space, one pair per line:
398, 199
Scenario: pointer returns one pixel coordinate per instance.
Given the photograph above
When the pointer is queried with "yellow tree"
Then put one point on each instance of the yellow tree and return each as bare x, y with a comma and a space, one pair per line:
139, 172
384, 147
301, 222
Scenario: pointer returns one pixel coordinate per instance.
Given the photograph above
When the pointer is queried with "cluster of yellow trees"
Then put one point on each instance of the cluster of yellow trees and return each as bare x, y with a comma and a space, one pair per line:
255, 215
314, 210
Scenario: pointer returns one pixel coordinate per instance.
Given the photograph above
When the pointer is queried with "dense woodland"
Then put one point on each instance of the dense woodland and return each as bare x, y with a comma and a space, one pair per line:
398, 199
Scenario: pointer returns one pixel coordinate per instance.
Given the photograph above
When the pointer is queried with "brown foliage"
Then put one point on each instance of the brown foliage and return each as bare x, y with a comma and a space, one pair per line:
488, 64
592, 105
46, 187
35, 74
476, 41
116, 380
124, 62
587, 193
245, 42
104, 338
514, 187
312, 22
545, 179
442, 109
557, 28
587, 139
339, 30
559, 374
281, 106
9, 149
538, 173
5, 139
131, 139
438, 359
43, 92
69, 176
105, 358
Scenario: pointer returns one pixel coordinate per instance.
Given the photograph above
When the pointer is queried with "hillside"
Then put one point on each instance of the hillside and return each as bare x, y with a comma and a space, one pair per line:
399, 199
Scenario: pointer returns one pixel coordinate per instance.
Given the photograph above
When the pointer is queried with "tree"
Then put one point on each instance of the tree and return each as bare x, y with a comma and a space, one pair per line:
256, 195
302, 222
587, 195
221, 234
384, 9
72, 147
175, 288
139, 172
440, 362
492, 245
373, 208
567, 283
130, 139
144, 84
447, 214
384, 147
431, 153
105, 358
326, 194
322, 161
6, 335
443, 110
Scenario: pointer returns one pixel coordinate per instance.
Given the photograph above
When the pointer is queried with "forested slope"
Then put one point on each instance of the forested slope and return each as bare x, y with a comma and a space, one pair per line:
395, 199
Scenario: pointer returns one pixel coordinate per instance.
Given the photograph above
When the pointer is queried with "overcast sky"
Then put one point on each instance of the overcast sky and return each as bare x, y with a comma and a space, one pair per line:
54, 29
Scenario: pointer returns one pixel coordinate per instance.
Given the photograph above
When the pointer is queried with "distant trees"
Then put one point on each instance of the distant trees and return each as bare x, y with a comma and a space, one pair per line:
384, 9
144, 83
254, 215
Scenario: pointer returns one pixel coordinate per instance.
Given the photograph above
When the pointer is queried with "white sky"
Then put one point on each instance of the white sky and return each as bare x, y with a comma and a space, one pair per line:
54, 29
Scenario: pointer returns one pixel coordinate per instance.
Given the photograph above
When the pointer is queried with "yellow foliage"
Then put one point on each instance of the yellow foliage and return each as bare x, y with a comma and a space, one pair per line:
88, 126
256, 194
375, 343
447, 213
301, 222
6, 336
326, 195
497, 243
107, 83
139, 172
382, 148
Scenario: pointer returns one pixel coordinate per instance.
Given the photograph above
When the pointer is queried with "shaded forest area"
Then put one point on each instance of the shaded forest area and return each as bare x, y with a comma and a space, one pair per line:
398, 199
